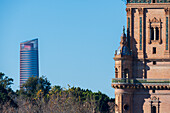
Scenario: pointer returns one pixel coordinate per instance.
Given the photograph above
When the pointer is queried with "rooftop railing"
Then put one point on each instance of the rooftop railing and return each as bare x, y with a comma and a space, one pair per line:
140, 81
146, 1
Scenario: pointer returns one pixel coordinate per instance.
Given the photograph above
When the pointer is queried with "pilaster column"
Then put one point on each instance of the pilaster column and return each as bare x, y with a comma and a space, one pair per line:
121, 104
150, 108
141, 31
141, 53
129, 26
160, 38
149, 32
154, 33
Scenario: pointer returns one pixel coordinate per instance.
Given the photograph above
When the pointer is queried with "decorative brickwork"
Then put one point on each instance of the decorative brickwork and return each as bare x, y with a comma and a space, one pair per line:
142, 62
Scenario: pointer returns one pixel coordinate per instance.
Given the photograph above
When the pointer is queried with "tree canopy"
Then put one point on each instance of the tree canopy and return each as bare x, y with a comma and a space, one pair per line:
34, 84
5, 89
37, 95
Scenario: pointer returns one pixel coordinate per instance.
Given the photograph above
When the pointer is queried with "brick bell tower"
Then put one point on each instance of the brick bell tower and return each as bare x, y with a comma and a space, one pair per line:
142, 62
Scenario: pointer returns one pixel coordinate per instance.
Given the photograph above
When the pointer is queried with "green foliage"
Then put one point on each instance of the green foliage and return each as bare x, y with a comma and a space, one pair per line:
5, 82
5, 90
37, 95
55, 89
98, 101
34, 84
44, 85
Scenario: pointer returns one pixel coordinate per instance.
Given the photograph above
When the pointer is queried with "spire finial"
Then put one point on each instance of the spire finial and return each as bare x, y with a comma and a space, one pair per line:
123, 29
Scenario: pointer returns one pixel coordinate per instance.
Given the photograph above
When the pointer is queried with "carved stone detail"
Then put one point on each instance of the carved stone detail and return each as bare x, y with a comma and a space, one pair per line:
155, 20
154, 98
116, 108
140, 10
166, 11
128, 10
132, 86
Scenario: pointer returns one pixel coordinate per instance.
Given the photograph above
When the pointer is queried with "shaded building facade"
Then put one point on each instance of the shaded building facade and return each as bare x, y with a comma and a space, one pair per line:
28, 60
142, 62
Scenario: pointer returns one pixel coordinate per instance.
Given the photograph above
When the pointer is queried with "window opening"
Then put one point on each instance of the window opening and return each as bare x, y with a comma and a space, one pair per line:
153, 91
167, 33
154, 50
126, 71
153, 109
116, 72
154, 1
140, 33
157, 33
152, 33
154, 62
125, 107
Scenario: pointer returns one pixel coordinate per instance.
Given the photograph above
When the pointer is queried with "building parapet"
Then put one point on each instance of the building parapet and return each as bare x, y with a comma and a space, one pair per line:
148, 1
141, 83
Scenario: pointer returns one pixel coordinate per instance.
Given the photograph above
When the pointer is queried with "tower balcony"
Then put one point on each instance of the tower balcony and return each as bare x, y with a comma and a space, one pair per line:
124, 83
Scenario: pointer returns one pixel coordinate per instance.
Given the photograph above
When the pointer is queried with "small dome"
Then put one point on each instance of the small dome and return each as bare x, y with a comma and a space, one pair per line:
125, 50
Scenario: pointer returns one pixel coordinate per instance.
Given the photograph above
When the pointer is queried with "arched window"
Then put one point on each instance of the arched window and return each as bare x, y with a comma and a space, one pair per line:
157, 33
152, 33
116, 73
154, 1
155, 30
126, 73
125, 107
153, 109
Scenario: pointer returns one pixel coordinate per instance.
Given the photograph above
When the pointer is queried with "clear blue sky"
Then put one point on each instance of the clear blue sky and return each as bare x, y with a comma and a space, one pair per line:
77, 39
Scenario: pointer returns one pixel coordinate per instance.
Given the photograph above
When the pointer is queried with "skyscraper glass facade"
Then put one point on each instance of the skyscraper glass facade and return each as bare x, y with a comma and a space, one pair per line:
28, 60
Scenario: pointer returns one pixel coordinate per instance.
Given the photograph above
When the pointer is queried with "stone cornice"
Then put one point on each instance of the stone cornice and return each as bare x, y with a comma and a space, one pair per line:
135, 86
154, 59
147, 1
122, 57
148, 5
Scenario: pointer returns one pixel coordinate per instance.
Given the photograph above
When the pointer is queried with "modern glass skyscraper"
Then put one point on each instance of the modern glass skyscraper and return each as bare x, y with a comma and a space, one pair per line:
28, 60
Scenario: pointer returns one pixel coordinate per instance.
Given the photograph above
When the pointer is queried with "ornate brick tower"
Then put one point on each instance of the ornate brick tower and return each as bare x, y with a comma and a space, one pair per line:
142, 62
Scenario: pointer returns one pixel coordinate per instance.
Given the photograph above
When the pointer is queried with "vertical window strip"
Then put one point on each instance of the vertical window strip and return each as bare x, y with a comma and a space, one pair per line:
140, 33
166, 33
128, 32
129, 23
